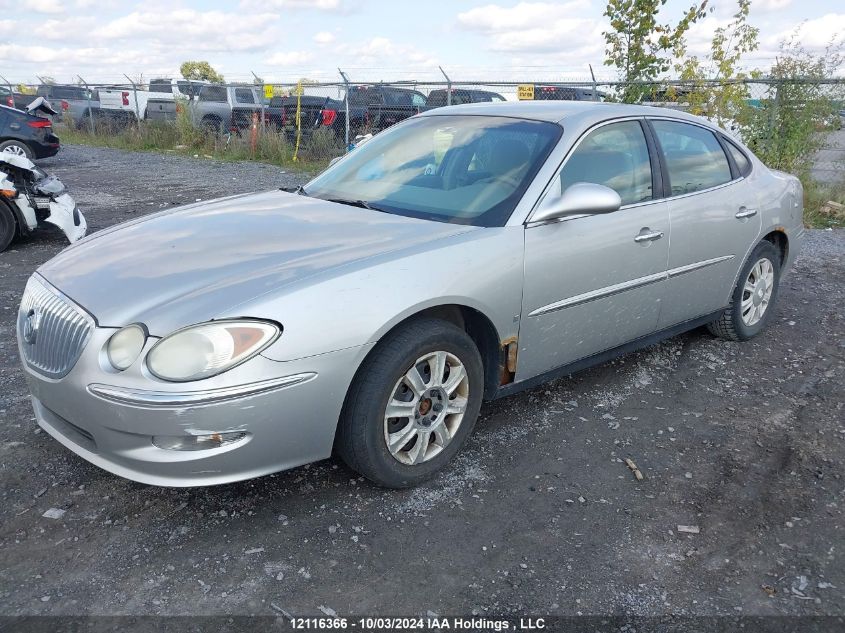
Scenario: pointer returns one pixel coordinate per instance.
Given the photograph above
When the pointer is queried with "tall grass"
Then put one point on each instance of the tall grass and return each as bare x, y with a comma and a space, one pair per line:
182, 136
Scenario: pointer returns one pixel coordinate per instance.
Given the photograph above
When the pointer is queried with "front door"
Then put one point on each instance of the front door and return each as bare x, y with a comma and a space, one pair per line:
595, 282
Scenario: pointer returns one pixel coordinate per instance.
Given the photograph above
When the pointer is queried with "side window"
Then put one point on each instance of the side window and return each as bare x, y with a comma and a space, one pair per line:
417, 100
614, 155
741, 160
244, 95
694, 158
213, 93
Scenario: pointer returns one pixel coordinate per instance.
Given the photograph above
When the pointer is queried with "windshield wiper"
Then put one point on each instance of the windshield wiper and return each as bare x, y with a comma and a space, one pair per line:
357, 203
299, 190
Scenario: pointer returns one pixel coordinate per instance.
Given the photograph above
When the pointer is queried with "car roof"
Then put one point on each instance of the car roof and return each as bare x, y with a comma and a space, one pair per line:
580, 112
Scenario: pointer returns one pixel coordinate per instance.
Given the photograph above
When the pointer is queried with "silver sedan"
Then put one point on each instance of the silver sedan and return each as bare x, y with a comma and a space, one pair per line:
465, 254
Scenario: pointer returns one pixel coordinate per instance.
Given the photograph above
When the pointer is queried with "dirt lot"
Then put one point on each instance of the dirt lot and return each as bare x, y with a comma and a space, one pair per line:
539, 515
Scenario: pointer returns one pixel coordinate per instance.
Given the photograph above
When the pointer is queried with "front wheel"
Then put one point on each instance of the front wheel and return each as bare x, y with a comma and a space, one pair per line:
8, 226
754, 296
412, 404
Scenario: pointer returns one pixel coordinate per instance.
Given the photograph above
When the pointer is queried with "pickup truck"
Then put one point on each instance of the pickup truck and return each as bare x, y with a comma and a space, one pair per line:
219, 108
382, 116
315, 112
158, 103
12, 99
441, 97
566, 93
162, 100
367, 103
75, 104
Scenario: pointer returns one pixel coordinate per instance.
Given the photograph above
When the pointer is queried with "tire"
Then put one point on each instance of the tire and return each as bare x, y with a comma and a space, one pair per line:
17, 147
8, 226
212, 126
742, 319
364, 429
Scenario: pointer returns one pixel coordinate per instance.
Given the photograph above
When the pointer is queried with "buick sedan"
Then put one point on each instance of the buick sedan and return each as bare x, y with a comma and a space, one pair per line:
465, 254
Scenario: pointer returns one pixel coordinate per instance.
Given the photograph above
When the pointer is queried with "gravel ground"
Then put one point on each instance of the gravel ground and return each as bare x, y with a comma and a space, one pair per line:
539, 514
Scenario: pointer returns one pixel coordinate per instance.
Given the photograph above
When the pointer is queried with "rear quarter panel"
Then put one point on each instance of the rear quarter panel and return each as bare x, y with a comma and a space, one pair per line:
782, 208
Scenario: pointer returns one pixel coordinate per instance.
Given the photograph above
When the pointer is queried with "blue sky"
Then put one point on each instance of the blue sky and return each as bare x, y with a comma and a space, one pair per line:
283, 40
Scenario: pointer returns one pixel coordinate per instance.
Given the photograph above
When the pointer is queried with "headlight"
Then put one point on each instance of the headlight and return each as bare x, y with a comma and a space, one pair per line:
202, 351
125, 345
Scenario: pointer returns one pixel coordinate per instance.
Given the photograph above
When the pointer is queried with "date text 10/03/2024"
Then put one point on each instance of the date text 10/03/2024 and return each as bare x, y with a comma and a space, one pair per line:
434, 623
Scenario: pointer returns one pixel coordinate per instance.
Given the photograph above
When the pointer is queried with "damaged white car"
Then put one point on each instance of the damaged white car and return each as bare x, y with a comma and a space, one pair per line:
28, 197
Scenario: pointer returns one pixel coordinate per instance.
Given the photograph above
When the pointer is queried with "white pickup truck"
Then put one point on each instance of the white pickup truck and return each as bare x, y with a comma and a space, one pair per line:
127, 104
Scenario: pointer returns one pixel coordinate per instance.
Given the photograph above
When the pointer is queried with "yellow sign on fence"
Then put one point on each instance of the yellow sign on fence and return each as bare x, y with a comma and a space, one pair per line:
268, 92
525, 92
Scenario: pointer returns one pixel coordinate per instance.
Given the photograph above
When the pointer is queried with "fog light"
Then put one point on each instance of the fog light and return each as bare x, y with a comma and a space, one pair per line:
197, 442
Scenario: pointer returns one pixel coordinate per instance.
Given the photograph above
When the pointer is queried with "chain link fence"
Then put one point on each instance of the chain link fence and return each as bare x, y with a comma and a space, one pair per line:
325, 117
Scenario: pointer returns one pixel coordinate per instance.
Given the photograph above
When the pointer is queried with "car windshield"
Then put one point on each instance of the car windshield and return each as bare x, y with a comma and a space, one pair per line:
458, 169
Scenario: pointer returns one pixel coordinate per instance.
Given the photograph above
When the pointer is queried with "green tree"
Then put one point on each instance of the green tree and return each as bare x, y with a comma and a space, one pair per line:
640, 46
726, 100
200, 71
796, 114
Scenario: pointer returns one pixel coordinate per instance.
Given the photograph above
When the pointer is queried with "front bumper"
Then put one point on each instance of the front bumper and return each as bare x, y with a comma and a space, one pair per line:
288, 412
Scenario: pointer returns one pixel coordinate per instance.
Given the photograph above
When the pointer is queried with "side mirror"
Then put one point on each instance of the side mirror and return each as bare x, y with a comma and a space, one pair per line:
581, 198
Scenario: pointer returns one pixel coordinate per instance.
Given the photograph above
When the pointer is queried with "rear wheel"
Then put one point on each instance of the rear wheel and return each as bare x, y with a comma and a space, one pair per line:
18, 148
212, 126
8, 227
412, 404
754, 296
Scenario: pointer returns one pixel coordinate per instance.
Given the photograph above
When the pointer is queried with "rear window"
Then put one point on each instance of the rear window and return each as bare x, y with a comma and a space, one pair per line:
741, 160
162, 85
695, 159
69, 92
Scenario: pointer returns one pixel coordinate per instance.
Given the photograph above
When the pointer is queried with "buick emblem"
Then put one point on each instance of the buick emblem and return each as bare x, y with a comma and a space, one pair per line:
30, 326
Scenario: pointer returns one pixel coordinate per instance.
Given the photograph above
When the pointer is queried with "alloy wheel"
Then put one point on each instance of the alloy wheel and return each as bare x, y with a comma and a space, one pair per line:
757, 292
17, 150
426, 408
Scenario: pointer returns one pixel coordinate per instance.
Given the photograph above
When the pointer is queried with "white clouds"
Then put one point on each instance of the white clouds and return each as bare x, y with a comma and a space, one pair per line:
525, 15
537, 27
324, 37
7, 27
384, 51
770, 5
190, 30
289, 58
45, 6
321, 5
816, 34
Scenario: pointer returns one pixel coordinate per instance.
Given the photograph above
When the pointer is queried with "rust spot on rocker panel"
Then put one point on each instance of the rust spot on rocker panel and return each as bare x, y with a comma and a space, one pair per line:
507, 364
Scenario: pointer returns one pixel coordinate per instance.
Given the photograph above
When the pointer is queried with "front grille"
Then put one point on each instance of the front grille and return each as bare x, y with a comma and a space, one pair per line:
52, 331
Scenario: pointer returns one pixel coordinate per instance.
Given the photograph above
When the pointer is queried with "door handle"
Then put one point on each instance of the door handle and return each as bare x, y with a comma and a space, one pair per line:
14, 126
745, 213
648, 237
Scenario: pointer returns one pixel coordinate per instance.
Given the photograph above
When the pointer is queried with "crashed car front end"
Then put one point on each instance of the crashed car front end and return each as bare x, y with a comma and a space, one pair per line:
34, 198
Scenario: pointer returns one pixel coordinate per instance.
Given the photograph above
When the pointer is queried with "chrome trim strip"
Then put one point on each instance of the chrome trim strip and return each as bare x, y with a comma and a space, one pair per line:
601, 293
682, 270
609, 291
182, 399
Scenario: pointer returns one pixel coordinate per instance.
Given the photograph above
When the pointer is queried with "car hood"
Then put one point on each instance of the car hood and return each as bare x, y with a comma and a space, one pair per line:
190, 264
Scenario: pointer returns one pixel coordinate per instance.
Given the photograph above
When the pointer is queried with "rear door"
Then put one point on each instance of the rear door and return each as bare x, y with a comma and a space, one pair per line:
714, 218
595, 282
